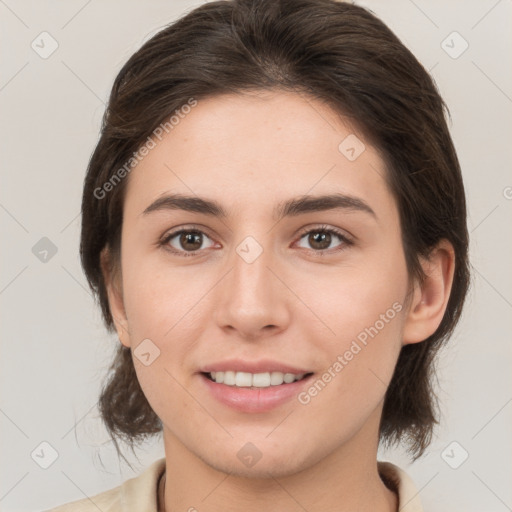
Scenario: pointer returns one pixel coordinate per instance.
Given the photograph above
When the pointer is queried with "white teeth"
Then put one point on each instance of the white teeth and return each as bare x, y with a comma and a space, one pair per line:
257, 380
229, 378
289, 378
261, 380
276, 378
243, 380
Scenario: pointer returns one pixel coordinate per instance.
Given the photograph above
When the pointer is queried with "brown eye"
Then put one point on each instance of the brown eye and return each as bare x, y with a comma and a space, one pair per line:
185, 241
190, 241
321, 239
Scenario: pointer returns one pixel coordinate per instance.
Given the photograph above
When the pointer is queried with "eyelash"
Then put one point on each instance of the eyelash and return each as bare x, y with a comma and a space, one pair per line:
347, 242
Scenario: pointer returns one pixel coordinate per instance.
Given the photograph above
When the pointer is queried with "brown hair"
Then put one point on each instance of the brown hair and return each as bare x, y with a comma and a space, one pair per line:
340, 54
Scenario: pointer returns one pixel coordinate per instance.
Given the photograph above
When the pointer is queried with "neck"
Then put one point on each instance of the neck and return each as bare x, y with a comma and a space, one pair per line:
345, 480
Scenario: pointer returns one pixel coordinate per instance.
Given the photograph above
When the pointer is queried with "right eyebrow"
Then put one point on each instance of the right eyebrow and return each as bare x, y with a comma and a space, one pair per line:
188, 203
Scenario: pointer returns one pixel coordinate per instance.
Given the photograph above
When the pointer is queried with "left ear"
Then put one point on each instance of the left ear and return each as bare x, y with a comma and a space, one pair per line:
430, 298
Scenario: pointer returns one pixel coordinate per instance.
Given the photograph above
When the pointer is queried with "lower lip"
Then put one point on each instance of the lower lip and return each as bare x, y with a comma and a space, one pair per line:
254, 399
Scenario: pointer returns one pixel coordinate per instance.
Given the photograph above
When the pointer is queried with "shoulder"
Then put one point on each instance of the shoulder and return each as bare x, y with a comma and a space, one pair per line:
105, 501
135, 494
399, 481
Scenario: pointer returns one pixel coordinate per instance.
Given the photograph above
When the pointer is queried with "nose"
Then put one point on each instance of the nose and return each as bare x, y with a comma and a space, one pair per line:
252, 297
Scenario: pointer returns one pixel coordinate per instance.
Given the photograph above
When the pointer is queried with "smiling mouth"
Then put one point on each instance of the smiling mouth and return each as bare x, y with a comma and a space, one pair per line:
254, 380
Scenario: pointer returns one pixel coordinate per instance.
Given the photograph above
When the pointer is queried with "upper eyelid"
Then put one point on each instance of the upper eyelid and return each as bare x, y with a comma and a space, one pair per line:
302, 231
342, 234
325, 227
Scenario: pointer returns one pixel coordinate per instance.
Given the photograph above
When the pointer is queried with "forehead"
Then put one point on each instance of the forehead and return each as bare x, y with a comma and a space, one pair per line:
258, 149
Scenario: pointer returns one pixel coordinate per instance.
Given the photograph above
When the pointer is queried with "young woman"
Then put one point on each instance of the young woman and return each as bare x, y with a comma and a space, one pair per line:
274, 223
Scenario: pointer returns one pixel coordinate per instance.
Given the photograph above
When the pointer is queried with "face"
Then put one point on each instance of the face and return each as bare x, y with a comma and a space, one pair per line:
278, 284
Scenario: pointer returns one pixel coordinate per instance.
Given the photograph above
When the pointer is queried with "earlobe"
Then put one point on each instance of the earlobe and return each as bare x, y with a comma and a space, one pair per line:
115, 297
430, 298
122, 331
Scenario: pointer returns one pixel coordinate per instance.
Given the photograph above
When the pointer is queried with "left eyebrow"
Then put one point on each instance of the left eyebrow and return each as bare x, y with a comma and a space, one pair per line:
307, 204
289, 208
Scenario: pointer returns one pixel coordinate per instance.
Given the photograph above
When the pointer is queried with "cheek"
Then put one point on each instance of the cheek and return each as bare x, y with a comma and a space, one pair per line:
159, 301
353, 300
364, 312
360, 362
163, 307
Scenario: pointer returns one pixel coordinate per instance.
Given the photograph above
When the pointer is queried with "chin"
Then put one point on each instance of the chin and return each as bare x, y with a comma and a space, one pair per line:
251, 462
263, 469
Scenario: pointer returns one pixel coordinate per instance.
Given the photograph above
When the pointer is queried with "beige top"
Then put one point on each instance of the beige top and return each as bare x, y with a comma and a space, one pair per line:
139, 494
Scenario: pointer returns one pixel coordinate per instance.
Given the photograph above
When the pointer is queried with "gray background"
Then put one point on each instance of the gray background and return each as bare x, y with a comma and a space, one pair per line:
54, 349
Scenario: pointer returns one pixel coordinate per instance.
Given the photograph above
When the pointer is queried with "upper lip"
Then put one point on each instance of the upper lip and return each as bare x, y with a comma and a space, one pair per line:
261, 366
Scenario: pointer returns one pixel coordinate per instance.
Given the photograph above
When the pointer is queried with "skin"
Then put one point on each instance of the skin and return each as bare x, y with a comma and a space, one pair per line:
250, 152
